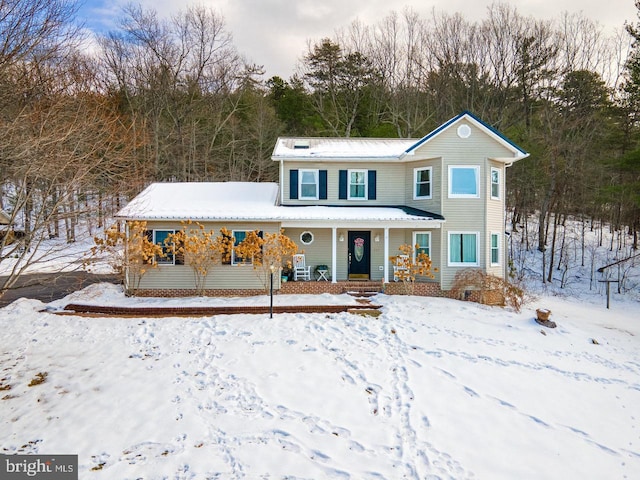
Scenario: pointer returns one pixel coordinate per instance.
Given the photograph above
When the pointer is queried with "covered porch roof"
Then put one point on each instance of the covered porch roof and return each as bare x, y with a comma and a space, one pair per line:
398, 216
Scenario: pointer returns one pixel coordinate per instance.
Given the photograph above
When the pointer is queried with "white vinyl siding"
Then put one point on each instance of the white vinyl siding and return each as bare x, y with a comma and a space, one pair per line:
464, 181
463, 249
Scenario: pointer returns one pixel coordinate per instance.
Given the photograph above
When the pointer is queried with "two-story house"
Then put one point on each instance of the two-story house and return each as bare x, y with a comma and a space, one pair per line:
350, 203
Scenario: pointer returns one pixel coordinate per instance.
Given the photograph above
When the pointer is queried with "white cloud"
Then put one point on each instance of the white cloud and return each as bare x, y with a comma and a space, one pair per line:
274, 33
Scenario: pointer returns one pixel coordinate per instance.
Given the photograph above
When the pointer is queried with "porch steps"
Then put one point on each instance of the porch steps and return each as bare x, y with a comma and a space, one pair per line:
363, 289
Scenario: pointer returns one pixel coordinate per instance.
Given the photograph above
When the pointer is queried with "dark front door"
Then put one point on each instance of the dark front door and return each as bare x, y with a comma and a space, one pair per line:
359, 255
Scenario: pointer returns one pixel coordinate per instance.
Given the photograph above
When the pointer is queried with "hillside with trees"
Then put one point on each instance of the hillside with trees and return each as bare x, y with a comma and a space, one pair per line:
174, 100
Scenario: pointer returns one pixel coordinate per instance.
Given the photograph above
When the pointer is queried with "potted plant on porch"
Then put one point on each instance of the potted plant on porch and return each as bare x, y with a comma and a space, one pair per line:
287, 272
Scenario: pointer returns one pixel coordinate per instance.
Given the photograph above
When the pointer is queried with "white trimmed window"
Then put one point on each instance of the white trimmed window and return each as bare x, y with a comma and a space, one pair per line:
357, 185
238, 237
422, 181
464, 181
495, 249
159, 237
495, 183
463, 249
306, 237
421, 243
308, 187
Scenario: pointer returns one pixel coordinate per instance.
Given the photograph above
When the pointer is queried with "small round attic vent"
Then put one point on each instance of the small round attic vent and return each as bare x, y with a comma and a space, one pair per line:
464, 131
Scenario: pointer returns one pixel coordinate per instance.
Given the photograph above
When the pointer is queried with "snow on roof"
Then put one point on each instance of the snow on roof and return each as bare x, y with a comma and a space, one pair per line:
201, 200
246, 201
342, 213
341, 147
324, 148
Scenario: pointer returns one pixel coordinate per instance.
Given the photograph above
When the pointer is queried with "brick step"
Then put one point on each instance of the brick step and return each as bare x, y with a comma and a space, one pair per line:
363, 289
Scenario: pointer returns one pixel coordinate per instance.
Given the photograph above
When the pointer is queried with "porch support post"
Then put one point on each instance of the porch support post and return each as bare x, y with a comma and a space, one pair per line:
386, 254
334, 248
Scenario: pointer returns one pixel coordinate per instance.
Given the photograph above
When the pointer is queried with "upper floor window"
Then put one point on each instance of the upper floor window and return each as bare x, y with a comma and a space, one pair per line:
422, 182
495, 183
357, 185
421, 243
463, 249
464, 181
307, 184
308, 187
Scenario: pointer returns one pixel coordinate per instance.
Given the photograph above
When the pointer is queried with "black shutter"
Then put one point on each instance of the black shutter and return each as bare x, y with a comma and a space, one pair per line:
293, 184
149, 235
323, 185
372, 185
342, 187
226, 255
179, 253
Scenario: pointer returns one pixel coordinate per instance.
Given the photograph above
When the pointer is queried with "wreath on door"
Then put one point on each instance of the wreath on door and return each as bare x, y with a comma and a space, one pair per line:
358, 248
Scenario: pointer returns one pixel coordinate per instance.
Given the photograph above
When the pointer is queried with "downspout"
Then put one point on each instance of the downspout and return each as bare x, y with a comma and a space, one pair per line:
282, 181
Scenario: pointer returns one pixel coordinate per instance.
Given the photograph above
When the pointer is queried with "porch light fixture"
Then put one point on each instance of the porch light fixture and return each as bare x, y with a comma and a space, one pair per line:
341, 237
376, 238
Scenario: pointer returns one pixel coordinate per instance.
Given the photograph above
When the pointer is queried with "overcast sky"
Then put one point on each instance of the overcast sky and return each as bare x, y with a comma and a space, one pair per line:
274, 33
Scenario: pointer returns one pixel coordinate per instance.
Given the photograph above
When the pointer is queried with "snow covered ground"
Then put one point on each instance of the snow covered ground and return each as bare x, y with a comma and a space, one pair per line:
431, 389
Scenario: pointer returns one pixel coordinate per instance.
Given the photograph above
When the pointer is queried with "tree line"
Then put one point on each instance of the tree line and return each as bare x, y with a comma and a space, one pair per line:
174, 100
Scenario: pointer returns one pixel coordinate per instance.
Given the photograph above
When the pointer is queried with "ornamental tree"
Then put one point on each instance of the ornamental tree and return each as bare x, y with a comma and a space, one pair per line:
268, 253
409, 267
132, 252
199, 249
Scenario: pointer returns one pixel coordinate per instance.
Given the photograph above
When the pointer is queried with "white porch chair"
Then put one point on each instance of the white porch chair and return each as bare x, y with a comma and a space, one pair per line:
401, 267
300, 269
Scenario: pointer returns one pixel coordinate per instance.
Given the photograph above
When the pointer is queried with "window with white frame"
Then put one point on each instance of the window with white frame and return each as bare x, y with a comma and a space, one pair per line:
495, 249
495, 183
464, 181
422, 182
421, 243
308, 188
357, 185
238, 238
160, 238
306, 237
463, 249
